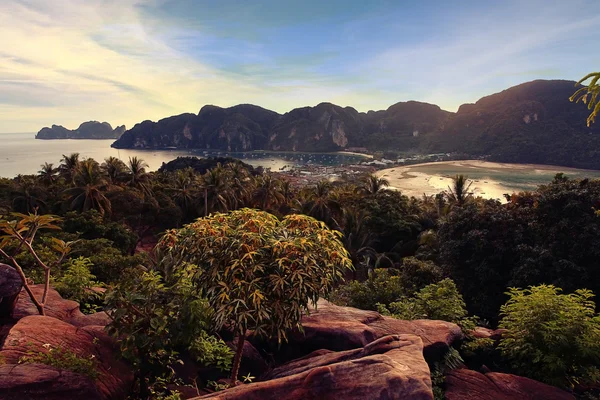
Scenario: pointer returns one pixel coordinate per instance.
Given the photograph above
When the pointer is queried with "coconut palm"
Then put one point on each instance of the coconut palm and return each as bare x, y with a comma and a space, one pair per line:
184, 191
89, 187
137, 176
29, 197
459, 193
268, 194
373, 184
357, 239
48, 174
217, 191
68, 167
114, 169
318, 203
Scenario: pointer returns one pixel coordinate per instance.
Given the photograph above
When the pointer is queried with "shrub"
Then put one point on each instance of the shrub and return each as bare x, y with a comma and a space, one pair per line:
76, 284
155, 320
417, 274
552, 337
258, 272
383, 286
436, 301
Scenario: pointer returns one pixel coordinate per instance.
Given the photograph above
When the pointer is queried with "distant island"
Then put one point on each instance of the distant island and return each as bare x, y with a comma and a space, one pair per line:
87, 130
533, 123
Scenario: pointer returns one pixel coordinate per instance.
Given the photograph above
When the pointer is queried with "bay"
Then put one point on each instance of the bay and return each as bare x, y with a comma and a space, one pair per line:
21, 153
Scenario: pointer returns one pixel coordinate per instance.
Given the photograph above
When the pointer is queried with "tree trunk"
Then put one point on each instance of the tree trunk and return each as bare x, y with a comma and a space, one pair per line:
237, 359
205, 202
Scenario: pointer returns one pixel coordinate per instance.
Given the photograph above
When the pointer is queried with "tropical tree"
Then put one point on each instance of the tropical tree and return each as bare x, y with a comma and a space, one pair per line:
459, 193
29, 196
19, 234
373, 184
318, 203
88, 192
184, 190
589, 95
217, 191
68, 167
137, 176
258, 272
267, 194
48, 174
114, 169
356, 238
552, 337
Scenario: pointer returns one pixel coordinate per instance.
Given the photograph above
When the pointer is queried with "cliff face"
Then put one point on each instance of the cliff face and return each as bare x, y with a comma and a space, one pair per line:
530, 123
325, 127
87, 130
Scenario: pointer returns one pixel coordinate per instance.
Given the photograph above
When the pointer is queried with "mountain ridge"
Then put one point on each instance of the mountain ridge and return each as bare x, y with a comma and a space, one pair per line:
532, 122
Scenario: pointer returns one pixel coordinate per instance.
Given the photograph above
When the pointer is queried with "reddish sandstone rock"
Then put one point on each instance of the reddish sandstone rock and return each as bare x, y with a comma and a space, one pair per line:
252, 362
464, 384
485, 333
57, 307
389, 368
10, 286
42, 382
30, 334
342, 328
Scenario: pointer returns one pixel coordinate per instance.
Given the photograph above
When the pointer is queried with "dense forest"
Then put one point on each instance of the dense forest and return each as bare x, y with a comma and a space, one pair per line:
200, 253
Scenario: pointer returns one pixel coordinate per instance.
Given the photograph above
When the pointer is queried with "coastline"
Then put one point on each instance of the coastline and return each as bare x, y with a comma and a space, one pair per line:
490, 180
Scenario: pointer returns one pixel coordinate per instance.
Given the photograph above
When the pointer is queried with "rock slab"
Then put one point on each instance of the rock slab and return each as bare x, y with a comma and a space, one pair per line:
389, 368
464, 384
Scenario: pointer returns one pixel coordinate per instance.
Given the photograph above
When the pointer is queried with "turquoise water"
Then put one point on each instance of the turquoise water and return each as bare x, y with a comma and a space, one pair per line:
21, 153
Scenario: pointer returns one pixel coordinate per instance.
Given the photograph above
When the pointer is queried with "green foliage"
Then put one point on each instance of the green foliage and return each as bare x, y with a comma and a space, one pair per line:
91, 225
440, 301
383, 286
552, 337
416, 274
76, 284
155, 320
589, 95
258, 272
211, 351
64, 359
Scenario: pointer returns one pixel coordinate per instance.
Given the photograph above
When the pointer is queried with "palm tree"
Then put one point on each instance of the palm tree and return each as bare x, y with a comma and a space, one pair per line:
268, 194
88, 191
136, 174
29, 196
68, 166
184, 191
459, 193
240, 180
319, 204
114, 169
48, 174
373, 184
357, 239
217, 193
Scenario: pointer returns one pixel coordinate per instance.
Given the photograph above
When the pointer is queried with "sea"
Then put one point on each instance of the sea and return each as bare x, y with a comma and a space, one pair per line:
21, 153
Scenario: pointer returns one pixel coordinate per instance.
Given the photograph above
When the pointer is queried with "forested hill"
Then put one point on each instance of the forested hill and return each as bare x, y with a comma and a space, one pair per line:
530, 123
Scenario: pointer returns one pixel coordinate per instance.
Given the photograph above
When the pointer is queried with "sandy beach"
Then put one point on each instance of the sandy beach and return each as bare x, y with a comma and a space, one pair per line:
489, 179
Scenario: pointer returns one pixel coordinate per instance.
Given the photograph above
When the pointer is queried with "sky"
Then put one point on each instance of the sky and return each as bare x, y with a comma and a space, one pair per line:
124, 61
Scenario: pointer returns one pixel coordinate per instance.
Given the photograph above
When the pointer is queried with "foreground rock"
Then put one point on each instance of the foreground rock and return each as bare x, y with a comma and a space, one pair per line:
33, 334
10, 287
389, 368
465, 384
338, 328
57, 307
35, 381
